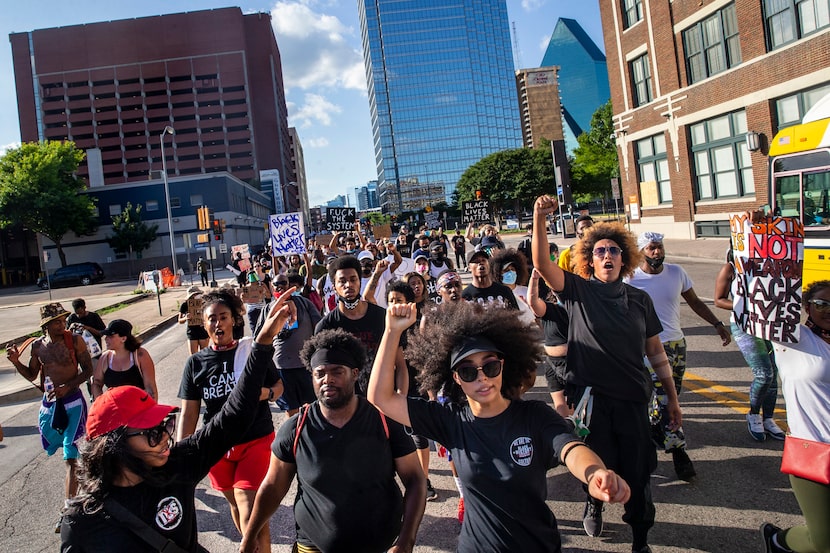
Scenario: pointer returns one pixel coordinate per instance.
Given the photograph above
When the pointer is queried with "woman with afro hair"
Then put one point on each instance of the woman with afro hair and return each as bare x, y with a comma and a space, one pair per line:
502, 446
612, 328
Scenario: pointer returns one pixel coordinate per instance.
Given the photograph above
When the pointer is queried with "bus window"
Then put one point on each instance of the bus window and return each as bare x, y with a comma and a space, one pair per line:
816, 190
787, 196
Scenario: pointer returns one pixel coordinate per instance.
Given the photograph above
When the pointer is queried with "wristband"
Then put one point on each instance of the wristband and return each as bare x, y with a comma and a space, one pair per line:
576, 445
270, 394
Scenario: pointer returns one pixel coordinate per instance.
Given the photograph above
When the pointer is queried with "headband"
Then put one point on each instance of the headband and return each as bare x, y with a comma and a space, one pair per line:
325, 356
447, 278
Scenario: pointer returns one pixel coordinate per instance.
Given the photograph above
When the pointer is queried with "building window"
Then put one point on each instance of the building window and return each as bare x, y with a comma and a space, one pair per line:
791, 109
723, 168
196, 199
641, 79
632, 11
653, 165
789, 20
115, 209
712, 45
152, 205
175, 203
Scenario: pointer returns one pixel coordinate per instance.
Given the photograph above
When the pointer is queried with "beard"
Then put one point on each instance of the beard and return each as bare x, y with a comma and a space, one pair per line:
337, 401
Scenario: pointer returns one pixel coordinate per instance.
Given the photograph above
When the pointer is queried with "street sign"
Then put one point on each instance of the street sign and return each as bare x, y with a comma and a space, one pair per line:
615, 188
223, 248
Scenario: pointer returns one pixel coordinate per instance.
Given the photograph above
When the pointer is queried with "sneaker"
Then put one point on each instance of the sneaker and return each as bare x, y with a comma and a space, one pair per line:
756, 427
768, 532
592, 517
773, 430
432, 495
460, 509
683, 465
643, 549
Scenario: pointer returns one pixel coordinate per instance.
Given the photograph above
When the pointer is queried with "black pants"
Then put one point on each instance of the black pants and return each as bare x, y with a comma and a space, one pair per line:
621, 436
460, 259
204, 279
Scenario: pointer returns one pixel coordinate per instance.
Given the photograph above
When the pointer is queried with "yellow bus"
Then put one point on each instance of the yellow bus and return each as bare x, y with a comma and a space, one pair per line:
800, 184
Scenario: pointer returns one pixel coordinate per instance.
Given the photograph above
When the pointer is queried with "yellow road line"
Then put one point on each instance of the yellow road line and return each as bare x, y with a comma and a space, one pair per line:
726, 396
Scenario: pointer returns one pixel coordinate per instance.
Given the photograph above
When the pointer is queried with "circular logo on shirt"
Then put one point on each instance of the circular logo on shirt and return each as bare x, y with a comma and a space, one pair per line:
169, 513
521, 451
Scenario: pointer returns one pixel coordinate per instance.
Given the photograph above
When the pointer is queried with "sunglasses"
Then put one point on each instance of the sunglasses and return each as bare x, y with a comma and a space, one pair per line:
469, 373
281, 283
822, 306
156, 434
602, 250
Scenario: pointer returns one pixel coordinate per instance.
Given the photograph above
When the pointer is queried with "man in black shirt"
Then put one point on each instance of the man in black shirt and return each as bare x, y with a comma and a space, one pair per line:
345, 455
484, 289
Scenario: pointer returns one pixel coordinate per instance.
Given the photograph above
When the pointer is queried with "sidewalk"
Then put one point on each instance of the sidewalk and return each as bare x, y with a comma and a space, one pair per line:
143, 312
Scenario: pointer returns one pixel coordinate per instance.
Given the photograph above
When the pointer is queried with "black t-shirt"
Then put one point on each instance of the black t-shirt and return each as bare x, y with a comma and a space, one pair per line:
209, 377
555, 324
194, 332
347, 497
609, 324
90, 319
502, 462
368, 329
497, 293
168, 507
458, 243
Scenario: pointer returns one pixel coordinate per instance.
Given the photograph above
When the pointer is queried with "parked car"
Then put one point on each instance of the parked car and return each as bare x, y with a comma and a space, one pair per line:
72, 275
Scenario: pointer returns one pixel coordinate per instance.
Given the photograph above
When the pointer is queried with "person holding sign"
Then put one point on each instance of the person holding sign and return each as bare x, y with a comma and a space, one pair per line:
805, 382
612, 328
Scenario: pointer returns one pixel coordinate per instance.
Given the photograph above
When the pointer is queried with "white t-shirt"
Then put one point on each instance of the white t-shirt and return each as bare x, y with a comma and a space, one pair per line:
805, 382
664, 288
380, 290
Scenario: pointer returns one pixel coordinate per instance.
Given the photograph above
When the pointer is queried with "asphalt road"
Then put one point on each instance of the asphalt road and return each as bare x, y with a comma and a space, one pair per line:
738, 485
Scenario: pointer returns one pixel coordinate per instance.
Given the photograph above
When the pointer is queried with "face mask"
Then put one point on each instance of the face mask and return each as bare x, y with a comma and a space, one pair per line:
437, 256
421, 269
655, 263
509, 277
349, 304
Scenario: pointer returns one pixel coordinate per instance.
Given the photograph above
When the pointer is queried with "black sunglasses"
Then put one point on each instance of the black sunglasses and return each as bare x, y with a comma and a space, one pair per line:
156, 434
469, 373
281, 283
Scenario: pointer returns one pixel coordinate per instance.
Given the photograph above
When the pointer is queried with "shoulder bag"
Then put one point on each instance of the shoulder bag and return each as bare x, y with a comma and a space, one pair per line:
140, 528
806, 459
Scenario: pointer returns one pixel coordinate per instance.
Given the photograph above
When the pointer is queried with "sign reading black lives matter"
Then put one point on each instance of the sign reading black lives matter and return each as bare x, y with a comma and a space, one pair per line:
340, 218
766, 290
477, 211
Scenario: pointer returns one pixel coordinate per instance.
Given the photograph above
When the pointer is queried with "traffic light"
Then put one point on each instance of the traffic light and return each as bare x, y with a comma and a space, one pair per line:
222, 226
478, 194
203, 215
217, 229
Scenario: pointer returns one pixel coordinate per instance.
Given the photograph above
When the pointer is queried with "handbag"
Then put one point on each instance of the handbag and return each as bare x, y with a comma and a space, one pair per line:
806, 459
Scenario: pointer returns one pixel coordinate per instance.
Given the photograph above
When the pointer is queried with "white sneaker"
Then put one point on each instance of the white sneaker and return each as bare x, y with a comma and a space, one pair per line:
756, 427
773, 430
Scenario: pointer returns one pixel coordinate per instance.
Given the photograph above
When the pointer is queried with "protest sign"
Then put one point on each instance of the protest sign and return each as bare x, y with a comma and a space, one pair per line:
477, 211
766, 290
432, 219
245, 251
195, 306
382, 231
287, 234
339, 219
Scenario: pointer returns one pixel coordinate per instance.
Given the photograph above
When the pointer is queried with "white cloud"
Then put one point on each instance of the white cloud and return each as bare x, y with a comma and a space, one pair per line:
321, 142
316, 49
532, 5
315, 109
6, 147
543, 44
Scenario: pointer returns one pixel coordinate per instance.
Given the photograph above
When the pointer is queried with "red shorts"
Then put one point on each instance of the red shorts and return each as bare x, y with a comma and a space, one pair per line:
243, 467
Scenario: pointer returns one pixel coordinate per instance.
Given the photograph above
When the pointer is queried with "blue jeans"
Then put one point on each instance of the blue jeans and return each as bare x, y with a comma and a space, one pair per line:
758, 353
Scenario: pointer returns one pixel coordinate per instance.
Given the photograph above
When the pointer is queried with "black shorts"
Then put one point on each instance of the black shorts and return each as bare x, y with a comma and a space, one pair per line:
555, 368
297, 387
196, 332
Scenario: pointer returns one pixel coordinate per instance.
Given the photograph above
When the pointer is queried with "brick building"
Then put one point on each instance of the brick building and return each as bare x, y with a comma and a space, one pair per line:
689, 80
214, 76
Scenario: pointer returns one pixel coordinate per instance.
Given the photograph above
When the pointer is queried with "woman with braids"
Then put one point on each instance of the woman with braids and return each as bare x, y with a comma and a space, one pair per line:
805, 382
502, 446
612, 328
130, 462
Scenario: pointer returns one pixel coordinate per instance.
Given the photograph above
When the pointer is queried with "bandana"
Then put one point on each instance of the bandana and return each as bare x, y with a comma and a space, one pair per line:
447, 278
325, 356
647, 238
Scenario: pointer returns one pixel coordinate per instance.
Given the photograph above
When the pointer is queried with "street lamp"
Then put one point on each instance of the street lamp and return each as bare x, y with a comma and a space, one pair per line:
168, 130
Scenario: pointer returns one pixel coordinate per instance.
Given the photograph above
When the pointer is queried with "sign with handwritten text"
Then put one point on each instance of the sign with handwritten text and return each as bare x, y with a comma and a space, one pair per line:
766, 291
340, 219
477, 211
287, 235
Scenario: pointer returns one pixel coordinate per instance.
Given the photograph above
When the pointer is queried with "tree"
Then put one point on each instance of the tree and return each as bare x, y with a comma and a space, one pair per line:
595, 160
130, 233
39, 190
509, 178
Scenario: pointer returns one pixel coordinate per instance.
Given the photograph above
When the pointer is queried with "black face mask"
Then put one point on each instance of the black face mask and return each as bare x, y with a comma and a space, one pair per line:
350, 305
437, 256
655, 263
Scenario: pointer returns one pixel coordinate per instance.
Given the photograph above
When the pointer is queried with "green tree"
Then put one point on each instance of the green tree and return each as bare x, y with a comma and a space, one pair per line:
595, 160
510, 178
130, 233
39, 190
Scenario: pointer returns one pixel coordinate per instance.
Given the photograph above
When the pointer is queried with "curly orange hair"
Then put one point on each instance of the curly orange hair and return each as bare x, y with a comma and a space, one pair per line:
584, 249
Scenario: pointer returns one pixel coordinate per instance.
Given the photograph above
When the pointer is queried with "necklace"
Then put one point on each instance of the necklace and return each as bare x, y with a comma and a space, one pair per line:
217, 347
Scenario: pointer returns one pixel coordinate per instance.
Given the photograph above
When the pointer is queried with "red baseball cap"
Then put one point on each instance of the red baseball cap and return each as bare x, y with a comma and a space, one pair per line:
124, 406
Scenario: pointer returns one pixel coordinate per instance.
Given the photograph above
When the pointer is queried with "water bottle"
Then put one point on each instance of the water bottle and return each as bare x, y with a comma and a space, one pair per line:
48, 386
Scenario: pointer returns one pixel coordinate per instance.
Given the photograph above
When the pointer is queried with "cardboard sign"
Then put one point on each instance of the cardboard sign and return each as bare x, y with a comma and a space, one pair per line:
339, 219
432, 219
477, 211
195, 306
254, 292
766, 290
382, 231
287, 234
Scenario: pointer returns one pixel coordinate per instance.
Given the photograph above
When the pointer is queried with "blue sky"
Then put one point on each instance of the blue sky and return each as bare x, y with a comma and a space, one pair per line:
319, 42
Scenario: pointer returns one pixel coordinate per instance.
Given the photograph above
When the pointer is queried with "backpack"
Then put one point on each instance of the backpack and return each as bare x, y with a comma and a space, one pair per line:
301, 422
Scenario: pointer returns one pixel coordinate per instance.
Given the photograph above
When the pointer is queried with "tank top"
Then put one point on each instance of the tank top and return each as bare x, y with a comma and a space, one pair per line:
130, 377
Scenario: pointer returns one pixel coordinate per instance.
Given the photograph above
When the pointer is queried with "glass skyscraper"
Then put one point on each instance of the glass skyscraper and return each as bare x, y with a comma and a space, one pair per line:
442, 93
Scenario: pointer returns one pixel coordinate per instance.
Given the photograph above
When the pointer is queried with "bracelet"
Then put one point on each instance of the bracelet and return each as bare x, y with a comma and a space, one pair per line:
717, 324
270, 394
578, 444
